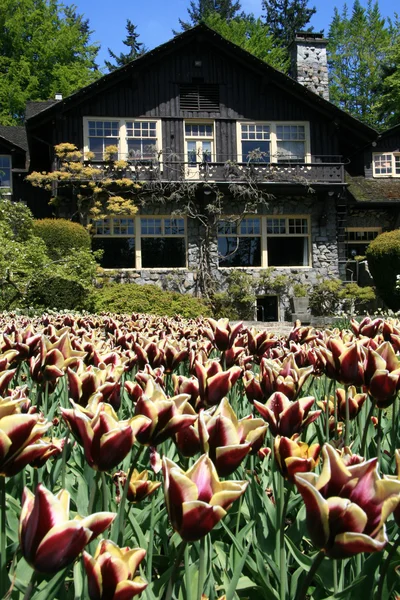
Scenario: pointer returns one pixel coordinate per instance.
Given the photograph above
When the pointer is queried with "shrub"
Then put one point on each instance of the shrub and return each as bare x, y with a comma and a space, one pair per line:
61, 236
383, 255
130, 297
238, 301
56, 292
330, 295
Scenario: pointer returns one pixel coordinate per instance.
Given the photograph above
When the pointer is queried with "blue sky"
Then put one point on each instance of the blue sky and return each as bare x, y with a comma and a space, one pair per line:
155, 19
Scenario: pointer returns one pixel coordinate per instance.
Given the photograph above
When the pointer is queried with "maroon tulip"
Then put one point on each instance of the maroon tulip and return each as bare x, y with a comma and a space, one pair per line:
287, 418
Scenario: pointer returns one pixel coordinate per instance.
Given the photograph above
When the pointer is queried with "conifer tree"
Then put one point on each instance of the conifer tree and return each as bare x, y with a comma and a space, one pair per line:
200, 9
286, 17
136, 48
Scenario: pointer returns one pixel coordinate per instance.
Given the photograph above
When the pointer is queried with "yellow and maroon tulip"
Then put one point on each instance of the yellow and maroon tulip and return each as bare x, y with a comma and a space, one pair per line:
214, 382
139, 487
111, 572
167, 415
396, 512
355, 400
287, 418
222, 334
19, 433
106, 441
196, 499
347, 506
49, 540
293, 456
382, 374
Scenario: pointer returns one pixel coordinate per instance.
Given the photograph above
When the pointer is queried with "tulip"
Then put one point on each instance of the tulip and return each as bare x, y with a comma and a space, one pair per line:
355, 400
259, 342
222, 334
347, 506
214, 382
293, 456
382, 374
139, 486
197, 500
166, 415
111, 572
49, 540
86, 381
18, 436
105, 440
228, 440
287, 418
396, 512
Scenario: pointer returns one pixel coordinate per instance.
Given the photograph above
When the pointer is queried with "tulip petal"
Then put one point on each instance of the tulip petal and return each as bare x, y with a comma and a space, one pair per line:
126, 590
97, 523
62, 544
114, 447
95, 579
348, 544
228, 458
317, 511
198, 519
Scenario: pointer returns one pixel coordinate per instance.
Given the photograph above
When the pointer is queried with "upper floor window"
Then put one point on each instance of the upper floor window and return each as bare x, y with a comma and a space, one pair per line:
386, 164
273, 142
5, 172
136, 139
276, 241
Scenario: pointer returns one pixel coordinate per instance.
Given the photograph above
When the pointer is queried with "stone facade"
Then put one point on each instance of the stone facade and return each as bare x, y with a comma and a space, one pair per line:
309, 64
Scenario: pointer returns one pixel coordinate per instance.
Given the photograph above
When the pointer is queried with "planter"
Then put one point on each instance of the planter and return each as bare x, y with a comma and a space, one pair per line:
300, 305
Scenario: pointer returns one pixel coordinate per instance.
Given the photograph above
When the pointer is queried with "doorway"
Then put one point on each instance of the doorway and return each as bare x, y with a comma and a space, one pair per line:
267, 308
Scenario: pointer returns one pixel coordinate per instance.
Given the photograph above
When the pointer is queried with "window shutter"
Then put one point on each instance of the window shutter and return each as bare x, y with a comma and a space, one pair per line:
202, 96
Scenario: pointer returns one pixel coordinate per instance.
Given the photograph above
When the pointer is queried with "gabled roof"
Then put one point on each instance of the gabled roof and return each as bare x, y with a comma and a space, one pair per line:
204, 33
385, 190
14, 135
34, 108
392, 131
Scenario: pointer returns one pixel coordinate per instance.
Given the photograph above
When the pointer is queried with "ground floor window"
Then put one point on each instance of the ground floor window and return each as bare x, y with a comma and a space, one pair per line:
358, 240
5, 172
141, 242
282, 241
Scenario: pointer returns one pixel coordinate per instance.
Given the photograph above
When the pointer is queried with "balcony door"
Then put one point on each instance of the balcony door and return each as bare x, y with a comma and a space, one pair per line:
199, 147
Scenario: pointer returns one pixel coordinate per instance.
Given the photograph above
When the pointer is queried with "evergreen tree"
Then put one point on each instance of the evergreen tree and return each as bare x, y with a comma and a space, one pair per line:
359, 45
388, 102
286, 17
252, 35
136, 48
44, 48
200, 9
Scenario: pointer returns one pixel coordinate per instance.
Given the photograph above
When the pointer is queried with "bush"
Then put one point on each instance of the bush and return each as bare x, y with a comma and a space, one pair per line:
331, 295
383, 255
61, 236
56, 292
238, 301
130, 297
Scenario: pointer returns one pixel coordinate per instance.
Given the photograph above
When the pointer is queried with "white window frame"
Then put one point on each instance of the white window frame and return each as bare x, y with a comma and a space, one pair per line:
360, 242
264, 239
137, 258
123, 153
393, 157
193, 172
273, 141
7, 189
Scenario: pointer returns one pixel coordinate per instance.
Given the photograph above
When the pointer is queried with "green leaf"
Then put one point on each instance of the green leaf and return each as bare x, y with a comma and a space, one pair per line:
344, 593
51, 588
236, 574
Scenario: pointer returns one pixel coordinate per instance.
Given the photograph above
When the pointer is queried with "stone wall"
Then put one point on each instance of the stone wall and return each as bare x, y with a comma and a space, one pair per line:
309, 64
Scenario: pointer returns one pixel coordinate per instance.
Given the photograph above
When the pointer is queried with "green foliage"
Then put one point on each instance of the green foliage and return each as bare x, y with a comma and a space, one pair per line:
201, 9
130, 297
15, 220
388, 102
383, 255
286, 17
329, 296
61, 236
253, 36
45, 49
136, 48
359, 44
56, 292
273, 281
238, 301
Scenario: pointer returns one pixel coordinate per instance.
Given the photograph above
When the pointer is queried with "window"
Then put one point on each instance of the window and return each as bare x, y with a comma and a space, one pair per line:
239, 243
386, 164
136, 139
199, 146
141, 242
281, 241
5, 172
273, 142
358, 239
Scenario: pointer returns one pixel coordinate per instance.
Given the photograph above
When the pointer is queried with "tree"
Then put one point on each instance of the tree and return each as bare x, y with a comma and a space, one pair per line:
286, 17
359, 45
44, 49
252, 35
136, 48
200, 9
388, 102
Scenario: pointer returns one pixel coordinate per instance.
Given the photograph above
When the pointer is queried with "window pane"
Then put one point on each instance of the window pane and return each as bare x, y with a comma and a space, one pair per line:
151, 226
174, 227
163, 253
383, 164
291, 151
5, 171
250, 227
142, 149
287, 251
277, 226
119, 253
255, 151
239, 252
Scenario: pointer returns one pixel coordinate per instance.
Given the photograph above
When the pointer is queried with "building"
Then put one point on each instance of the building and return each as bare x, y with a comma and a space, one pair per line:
246, 167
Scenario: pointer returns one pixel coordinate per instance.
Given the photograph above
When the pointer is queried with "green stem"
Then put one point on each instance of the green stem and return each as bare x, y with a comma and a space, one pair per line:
46, 398
104, 490
335, 411
327, 398
394, 428
178, 559
367, 424
3, 539
385, 566
149, 564
64, 459
120, 519
335, 577
379, 436
283, 504
310, 576
93, 490
202, 568
30, 587
187, 574
347, 423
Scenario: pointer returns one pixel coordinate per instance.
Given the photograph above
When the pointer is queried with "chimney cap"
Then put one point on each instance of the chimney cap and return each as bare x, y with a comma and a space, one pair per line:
58, 96
309, 36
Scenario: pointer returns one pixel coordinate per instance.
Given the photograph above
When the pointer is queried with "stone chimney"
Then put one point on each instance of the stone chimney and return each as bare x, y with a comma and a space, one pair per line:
308, 62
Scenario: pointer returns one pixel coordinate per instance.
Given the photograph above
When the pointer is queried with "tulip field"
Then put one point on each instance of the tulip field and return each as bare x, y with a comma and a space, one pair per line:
173, 459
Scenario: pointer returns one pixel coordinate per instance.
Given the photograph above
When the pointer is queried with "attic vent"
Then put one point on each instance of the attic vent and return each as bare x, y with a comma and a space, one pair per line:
201, 96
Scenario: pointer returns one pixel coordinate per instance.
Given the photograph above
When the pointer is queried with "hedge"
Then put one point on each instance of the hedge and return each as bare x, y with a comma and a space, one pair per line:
61, 236
383, 255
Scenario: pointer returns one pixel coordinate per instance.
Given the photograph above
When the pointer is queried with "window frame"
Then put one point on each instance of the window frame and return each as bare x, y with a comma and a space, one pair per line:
192, 170
393, 156
123, 138
273, 141
7, 189
232, 234
348, 242
137, 235
264, 239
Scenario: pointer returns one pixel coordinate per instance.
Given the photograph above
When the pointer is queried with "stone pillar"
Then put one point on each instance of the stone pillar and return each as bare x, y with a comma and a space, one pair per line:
308, 62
